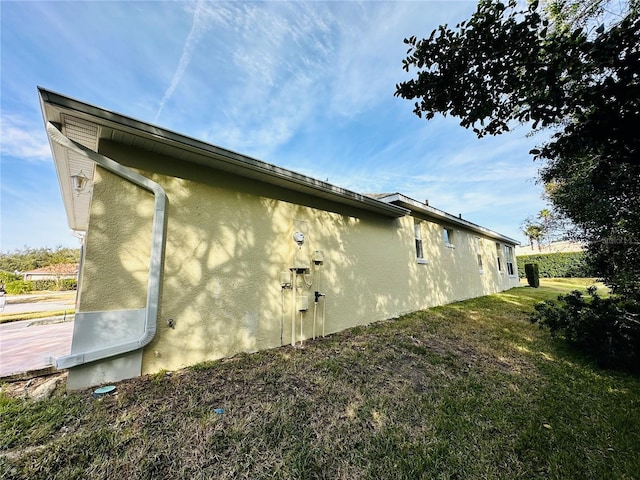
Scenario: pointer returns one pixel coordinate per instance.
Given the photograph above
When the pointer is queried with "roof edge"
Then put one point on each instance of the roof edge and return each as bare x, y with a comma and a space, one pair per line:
264, 169
416, 206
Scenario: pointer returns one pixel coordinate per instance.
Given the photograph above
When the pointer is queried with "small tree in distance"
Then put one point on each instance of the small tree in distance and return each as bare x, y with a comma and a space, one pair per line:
533, 232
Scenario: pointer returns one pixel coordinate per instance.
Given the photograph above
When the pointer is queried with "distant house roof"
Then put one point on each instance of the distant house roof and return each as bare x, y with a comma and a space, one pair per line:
58, 269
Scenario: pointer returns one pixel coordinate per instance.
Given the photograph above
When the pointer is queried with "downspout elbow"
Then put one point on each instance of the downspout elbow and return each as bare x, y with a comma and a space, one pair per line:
156, 253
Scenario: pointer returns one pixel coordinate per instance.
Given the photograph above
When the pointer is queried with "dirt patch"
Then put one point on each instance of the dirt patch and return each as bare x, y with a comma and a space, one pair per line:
24, 388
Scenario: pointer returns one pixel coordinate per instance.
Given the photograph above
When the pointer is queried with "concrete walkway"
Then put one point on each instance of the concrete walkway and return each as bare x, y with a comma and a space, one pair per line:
34, 303
25, 345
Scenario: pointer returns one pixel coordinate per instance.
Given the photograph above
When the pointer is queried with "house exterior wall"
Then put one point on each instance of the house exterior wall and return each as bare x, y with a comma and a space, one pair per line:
228, 239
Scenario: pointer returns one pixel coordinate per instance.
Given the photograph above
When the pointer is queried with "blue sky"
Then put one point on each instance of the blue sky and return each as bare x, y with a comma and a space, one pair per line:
304, 85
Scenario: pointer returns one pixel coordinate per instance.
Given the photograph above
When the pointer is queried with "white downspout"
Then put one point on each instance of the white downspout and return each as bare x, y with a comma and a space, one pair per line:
155, 262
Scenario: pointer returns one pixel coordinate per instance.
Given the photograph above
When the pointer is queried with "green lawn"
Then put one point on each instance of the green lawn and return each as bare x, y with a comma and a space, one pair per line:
469, 390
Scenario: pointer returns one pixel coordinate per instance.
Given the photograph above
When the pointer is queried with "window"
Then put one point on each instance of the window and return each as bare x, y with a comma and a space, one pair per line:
508, 255
448, 237
417, 228
479, 255
498, 257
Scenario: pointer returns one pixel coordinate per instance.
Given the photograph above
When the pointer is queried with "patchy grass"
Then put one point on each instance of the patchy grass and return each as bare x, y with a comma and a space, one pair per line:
468, 390
17, 317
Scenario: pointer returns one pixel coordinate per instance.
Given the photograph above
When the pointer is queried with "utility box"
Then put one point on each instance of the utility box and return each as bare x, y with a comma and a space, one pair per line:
300, 264
302, 303
318, 257
285, 279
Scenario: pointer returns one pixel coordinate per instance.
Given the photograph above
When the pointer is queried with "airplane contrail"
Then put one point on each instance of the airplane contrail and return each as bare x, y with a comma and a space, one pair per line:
198, 27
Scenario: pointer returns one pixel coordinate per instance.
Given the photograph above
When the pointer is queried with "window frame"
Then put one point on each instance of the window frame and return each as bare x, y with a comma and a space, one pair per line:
508, 253
419, 242
448, 235
478, 242
499, 258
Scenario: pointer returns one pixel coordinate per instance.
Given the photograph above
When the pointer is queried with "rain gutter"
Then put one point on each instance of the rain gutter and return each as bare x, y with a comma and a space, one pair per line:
149, 314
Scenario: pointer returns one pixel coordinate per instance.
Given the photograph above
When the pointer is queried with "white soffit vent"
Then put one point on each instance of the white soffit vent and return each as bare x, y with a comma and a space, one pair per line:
86, 134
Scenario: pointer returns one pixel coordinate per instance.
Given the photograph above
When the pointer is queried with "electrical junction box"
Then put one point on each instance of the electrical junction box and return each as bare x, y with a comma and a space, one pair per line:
302, 302
300, 264
318, 257
285, 279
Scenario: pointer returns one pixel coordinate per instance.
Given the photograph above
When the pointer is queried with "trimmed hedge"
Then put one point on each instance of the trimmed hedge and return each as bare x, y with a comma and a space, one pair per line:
44, 285
18, 287
69, 284
533, 276
557, 265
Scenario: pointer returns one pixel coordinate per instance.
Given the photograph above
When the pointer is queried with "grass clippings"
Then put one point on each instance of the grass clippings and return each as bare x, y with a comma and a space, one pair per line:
468, 390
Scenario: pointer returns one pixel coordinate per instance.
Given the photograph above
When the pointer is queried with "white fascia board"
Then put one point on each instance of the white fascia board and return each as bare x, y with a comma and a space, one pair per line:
212, 155
444, 217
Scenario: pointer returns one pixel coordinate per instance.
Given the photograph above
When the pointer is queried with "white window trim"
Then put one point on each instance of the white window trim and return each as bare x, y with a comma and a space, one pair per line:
509, 256
417, 233
478, 242
499, 260
450, 236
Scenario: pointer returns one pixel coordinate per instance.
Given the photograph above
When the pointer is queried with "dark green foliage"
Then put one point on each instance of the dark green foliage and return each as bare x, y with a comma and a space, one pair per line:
533, 277
52, 285
41, 285
607, 329
68, 284
509, 63
558, 265
32, 258
18, 287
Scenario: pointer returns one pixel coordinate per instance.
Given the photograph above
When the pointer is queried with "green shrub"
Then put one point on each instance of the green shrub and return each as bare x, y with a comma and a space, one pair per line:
44, 285
533, 277
557, 265
69, 284
6, 277
18, 287
607, 329
65, 284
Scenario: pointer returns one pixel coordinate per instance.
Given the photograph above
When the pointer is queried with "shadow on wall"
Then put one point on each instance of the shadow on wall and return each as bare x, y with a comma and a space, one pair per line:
228, 242
118, 244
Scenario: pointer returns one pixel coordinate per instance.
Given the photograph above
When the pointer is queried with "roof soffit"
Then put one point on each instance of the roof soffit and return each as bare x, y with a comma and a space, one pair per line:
108, 125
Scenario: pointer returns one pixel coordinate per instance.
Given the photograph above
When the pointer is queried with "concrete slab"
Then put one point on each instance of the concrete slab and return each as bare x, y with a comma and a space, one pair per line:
25, 345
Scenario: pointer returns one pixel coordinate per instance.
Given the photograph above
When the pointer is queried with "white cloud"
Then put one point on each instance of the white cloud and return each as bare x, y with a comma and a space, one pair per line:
199, 26
20, 138
280, 54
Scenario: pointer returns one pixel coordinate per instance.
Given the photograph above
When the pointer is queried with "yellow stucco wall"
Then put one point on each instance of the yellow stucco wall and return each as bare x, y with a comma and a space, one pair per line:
229, 238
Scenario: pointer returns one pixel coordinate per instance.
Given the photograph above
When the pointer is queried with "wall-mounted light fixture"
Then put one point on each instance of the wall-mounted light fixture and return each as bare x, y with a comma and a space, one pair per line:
79, 182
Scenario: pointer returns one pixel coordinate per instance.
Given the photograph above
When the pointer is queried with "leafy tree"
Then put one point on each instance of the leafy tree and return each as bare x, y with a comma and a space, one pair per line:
32, 258
509, 65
